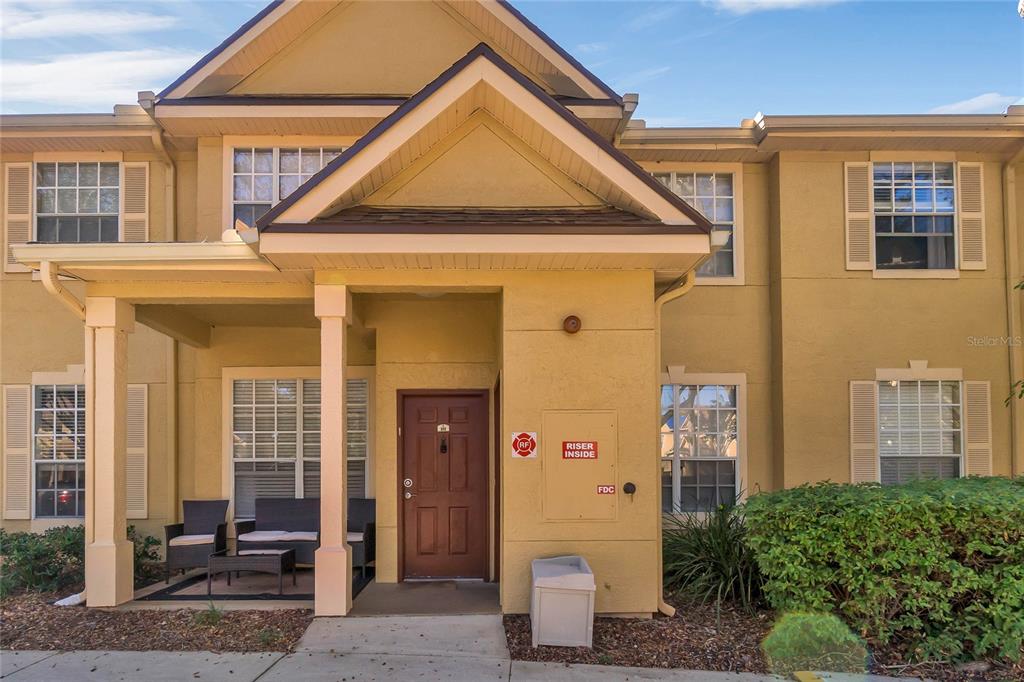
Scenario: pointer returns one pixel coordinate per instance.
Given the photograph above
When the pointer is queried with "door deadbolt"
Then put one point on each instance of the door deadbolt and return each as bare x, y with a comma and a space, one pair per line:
407, 483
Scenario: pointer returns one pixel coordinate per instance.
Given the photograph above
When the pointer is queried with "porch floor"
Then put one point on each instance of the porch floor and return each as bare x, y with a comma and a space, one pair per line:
428, 598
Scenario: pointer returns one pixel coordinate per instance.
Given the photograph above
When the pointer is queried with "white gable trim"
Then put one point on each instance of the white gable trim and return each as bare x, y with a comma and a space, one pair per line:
481, 69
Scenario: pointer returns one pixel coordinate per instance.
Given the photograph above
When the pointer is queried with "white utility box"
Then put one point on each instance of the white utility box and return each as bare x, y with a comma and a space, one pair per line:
562, 602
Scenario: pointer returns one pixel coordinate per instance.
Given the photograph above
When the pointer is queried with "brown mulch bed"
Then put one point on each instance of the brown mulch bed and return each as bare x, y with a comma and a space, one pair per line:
700, 638
30, 621
696, 638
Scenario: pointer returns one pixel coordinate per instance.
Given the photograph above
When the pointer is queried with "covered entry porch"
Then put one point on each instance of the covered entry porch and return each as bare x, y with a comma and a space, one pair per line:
408, 334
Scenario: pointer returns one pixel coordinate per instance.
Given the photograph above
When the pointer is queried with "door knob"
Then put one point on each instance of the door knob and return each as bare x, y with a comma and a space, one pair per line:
408, 495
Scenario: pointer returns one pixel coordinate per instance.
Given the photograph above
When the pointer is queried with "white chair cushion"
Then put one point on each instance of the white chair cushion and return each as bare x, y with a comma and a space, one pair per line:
354, 537
264, 536
301, 536
182, 540
247, 552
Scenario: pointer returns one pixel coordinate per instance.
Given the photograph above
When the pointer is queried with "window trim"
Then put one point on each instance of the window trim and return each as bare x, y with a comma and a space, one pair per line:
72, 374
916, 157
36, 461
919, 374
229, 142
739, 268
228, 377
78, 157
678, 375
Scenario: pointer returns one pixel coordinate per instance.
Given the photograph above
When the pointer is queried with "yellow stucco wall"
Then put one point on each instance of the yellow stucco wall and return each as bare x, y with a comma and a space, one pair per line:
352, 56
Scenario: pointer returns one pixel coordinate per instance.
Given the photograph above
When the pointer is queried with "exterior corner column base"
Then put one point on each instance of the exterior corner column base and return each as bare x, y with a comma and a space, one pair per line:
109, 573
333, 580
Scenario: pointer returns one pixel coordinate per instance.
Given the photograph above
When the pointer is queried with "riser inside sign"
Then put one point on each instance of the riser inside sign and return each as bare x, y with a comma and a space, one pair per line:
579, 449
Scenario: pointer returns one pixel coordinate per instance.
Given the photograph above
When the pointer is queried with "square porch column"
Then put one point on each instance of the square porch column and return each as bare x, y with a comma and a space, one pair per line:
109, 556
332, 304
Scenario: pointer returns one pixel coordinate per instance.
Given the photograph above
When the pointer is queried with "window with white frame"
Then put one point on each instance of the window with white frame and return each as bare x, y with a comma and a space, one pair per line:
920, 432
712, 194
699, 446
276, 439
914, 215
58, 450
263, 176
77, 201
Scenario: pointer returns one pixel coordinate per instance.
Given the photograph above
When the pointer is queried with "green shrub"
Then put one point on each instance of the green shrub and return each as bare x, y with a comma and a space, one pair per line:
813, 641
707, 558
54, 560
935, 568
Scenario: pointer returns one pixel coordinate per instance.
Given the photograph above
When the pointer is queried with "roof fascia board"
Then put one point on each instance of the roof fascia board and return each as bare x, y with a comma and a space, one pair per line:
505, 12
286, 111
245, 34
151, 253
524, 244
481, 63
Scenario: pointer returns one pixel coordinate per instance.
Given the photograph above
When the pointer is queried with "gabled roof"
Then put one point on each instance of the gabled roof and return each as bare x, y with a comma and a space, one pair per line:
482, 67
481, 13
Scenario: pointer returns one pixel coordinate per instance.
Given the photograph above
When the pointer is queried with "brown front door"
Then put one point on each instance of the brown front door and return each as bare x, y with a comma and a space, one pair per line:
443, 485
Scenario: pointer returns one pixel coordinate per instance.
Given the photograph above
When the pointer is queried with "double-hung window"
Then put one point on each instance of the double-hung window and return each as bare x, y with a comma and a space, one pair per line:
714, 195
699, 446
920, 434
275, 439
263, 176
77, 201
58, 450
914, 215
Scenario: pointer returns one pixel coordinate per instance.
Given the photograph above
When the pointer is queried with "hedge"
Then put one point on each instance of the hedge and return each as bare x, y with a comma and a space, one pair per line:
54, 560
935, 568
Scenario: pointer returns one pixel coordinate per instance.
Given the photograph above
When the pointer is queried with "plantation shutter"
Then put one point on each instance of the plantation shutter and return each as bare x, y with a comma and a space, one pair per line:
18, 451
135, 201
17, 211
978, 428
357, 399
863, 431
136, 464
971, 209
860, 243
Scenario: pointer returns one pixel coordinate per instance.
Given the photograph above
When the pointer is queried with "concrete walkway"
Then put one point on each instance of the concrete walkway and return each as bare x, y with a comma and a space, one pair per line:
455, 648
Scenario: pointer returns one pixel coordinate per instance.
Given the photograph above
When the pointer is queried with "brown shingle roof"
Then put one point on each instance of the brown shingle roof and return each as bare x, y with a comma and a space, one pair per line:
564, 220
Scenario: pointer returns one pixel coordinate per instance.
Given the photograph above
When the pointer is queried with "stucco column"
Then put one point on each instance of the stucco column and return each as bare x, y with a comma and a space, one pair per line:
332, 305
109, 558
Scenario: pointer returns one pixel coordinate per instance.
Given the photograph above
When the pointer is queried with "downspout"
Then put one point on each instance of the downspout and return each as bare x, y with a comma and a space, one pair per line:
148, 101
1011, 247
675, 290
50, 274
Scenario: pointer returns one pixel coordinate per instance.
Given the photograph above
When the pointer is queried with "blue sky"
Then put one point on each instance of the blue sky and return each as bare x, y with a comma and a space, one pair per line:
700, 63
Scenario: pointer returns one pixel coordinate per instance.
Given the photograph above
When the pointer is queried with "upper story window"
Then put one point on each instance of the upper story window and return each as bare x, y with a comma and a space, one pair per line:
263, 176
59, 450
920, 434
914, 216
77, 201
699, 446
713, 195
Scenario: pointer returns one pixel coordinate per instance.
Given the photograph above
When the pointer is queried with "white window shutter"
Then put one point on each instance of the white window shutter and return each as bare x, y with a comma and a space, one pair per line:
17, 211
17, 451
137, 455
978, 428
863, 431
135, 201
971, 210
860, 241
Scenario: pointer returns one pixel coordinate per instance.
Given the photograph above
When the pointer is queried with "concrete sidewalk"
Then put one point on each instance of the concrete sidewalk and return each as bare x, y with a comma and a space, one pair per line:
457, 648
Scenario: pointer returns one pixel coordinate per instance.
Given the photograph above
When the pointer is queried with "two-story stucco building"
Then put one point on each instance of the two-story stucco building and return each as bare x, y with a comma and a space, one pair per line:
368, 249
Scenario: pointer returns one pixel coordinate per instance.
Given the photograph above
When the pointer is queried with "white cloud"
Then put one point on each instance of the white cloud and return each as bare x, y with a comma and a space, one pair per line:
651, 17
748, 6
987, 103
591, 48
639, 77
95, 79
58, 20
